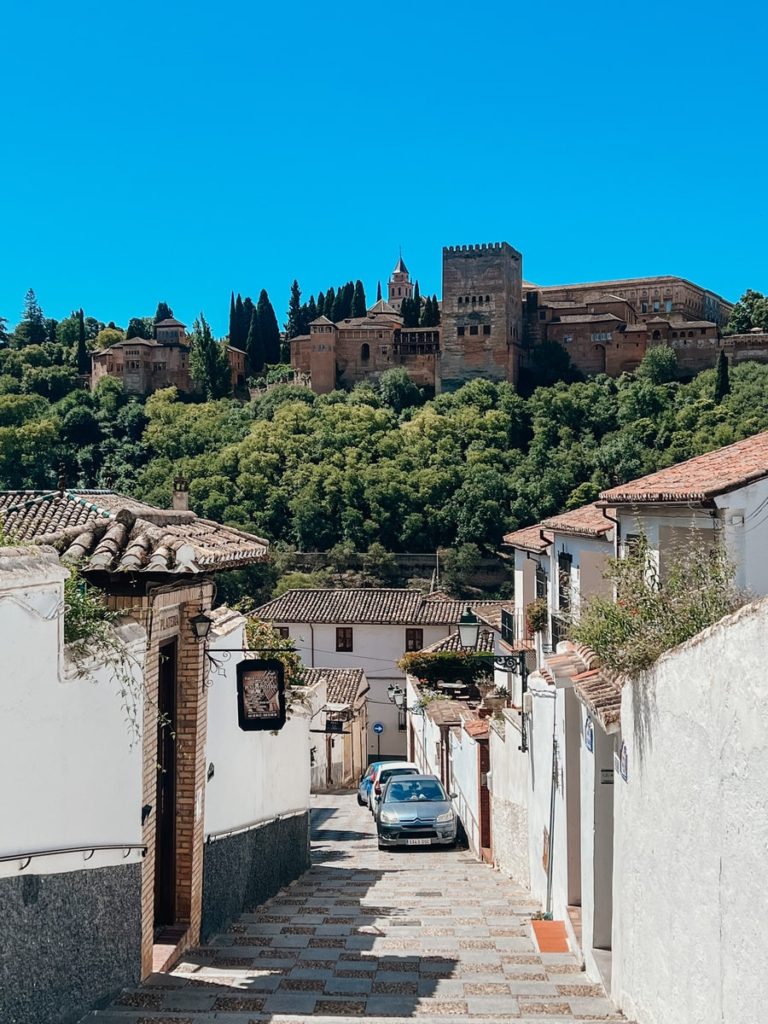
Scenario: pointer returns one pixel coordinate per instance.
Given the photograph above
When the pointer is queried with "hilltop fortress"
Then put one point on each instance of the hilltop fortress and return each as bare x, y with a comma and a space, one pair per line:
492, 320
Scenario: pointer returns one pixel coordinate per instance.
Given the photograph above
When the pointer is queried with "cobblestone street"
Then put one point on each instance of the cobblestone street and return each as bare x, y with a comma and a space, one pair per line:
386, 936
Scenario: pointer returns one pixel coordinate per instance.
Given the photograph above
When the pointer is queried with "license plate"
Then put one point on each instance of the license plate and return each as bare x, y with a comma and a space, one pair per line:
418, 842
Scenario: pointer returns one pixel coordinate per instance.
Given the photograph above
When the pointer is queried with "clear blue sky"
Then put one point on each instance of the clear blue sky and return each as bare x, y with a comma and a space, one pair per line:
178, 151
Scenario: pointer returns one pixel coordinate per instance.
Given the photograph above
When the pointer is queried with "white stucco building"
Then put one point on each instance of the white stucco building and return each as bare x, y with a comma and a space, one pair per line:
370, 628
723, 494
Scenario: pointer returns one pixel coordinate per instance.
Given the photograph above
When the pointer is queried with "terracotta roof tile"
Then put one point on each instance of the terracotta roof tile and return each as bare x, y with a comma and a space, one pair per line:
452, 642
717, 472
529, 539
109, 532
344, 684
382, 605
597, 689
477, 728
588, 521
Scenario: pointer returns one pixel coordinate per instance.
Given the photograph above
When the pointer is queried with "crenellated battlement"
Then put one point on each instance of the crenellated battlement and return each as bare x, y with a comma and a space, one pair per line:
480, 247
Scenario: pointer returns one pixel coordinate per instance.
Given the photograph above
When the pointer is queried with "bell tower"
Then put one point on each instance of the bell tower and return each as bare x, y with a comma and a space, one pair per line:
400, 286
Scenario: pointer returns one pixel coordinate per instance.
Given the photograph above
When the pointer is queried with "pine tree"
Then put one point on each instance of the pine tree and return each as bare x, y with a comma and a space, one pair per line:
320, 304
722, 378
83, 358
358, 300
208, 364
254, 347
50, 330
269, 332
32, 330
293, 324
416, 305
378, 291
330, 299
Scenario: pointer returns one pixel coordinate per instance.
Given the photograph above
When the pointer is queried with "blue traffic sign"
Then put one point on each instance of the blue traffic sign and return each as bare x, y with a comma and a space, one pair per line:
378, 727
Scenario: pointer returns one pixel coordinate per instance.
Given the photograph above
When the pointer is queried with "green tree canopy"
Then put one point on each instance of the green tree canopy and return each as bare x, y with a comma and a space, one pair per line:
208, 362
749, 312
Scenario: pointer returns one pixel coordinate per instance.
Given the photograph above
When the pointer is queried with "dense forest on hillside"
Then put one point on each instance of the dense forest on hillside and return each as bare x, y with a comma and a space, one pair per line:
376, 465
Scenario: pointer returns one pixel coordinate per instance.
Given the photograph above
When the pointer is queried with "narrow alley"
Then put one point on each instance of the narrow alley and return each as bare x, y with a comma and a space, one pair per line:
385, 936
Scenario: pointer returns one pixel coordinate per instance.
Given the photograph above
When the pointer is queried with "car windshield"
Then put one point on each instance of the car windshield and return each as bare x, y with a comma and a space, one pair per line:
397, 771
419, 790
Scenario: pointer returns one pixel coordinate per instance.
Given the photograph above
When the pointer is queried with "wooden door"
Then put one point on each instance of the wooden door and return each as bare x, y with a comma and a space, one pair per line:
165, 803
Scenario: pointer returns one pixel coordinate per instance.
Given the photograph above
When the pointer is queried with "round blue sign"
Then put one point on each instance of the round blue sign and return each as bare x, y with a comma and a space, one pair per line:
378, 727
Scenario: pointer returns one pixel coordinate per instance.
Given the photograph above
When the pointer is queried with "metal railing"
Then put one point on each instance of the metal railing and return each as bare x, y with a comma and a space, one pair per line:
91, 849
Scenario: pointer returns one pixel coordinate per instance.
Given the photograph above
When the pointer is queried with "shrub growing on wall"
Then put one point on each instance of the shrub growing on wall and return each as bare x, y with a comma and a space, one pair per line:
655, 612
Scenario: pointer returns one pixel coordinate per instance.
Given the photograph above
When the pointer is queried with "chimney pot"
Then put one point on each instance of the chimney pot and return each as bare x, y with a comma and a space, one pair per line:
180, 494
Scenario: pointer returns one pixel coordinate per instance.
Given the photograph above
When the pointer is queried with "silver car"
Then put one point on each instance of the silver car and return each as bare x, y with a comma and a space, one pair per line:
415, 810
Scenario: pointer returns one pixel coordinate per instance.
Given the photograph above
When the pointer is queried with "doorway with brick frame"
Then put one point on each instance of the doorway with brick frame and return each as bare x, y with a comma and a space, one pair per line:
165, 829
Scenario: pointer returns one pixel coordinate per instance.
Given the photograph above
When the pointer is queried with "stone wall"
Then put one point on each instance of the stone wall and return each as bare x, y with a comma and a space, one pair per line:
69, 942
245, 869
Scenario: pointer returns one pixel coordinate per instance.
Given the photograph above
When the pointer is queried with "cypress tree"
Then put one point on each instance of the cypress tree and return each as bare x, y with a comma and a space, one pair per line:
254, 346
320, 304
83, 358
236, 337
269, 332
338, 306
232, 317
163, 312
293, 323
416, 305
349, 297
248, 309
378, 291
722, 378
358, 300
330, 300
311, 314
435, 312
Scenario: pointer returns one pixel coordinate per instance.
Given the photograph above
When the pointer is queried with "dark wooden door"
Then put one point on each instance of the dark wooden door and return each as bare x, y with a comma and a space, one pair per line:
165, 837
484, 766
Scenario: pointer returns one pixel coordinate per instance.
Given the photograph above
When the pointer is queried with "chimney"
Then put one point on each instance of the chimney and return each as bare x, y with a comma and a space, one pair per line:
180, 494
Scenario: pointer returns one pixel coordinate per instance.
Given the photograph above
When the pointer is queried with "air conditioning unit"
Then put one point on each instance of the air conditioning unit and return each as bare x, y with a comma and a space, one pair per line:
527, 704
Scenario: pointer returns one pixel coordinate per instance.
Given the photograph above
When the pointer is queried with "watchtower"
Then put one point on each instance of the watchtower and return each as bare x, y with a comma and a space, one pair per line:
482, 314
400, 286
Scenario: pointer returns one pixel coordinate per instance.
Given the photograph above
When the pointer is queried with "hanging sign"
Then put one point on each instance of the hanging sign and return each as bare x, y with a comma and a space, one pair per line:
589, 735
261, 694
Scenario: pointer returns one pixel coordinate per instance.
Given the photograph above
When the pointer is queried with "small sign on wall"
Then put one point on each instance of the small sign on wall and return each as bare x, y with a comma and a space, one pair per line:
261, 694
589, 735
606, 776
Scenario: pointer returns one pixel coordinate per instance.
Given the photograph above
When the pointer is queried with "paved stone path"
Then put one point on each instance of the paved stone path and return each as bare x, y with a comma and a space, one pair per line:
385, 936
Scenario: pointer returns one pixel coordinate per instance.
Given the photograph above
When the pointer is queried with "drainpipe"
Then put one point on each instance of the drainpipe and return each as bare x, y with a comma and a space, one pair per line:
312, 646
552, 813
617, 531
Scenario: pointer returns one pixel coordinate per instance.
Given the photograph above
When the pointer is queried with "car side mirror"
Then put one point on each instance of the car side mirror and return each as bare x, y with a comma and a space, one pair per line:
453, 796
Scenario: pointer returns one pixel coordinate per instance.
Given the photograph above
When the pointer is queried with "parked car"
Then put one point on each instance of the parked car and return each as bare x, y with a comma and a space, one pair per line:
383, 774
366, 781
415, 810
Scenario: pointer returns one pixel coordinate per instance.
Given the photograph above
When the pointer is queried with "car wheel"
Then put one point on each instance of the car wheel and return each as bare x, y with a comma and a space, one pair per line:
360, 800
381, 845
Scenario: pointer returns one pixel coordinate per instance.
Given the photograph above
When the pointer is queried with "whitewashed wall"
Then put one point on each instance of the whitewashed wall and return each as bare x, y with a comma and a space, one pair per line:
548, 706
257, 775
690, 929
318, 697
464, 783
376, 649
509, 800
426, 735
70, 763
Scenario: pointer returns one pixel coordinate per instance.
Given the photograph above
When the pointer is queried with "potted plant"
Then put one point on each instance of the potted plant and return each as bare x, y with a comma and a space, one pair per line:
537, 616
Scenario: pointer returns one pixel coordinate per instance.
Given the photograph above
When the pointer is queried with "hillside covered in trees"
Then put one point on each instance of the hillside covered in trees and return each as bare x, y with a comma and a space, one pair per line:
376, 465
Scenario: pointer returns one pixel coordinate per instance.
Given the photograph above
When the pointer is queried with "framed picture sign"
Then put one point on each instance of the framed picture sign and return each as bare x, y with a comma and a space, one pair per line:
261, 694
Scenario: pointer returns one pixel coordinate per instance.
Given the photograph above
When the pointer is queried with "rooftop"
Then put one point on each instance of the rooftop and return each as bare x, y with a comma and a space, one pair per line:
344, 684
706, 476
597, 690
452, 642
109, 532
587, 521
380, 605
589, 318
170, 322
529, 539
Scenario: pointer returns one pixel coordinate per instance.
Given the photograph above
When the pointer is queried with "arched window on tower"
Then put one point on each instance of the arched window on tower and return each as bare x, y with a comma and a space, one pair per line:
365, 352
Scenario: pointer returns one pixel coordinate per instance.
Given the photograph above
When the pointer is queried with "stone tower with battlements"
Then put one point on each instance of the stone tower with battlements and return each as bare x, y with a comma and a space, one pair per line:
481, 314
400, 286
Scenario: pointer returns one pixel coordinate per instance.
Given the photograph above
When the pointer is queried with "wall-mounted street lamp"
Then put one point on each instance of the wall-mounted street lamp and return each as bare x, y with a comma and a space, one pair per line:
399, 697
469, 634
201, 626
